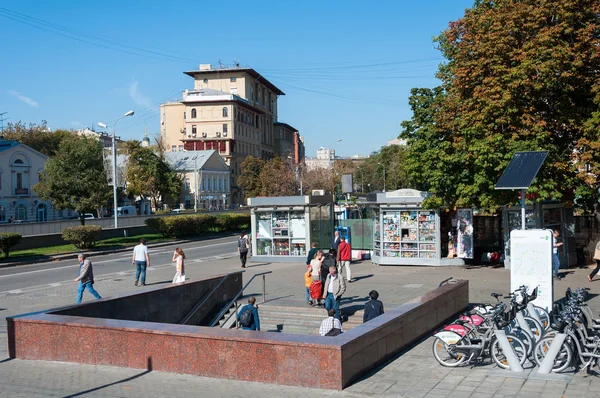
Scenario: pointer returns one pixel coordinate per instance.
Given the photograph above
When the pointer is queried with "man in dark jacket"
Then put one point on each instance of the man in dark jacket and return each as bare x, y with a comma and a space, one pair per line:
255, 322
311, 253
85, 278
373, 308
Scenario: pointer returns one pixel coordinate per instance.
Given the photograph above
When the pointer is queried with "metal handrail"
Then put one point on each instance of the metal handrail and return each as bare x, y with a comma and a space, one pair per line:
201, 303
234, 300
450, 280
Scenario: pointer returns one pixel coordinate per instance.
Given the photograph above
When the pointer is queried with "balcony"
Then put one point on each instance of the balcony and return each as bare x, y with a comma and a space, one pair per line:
21, 191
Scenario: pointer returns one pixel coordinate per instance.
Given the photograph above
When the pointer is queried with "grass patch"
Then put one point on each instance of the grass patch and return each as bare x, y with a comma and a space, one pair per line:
125, 241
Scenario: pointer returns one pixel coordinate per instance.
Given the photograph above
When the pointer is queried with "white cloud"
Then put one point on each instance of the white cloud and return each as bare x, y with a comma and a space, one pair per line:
139, 98
24, 98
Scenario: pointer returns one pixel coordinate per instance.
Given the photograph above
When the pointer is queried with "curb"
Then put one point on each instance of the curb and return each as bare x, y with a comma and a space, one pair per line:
70, 256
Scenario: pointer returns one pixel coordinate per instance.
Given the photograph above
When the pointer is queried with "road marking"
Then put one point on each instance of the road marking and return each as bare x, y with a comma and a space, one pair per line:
123, 273
16, 291
55, 284
198, 260
413, 285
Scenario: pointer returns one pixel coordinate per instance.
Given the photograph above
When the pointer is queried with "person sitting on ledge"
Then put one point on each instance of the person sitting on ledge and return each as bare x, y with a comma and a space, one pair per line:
248, 316
331, 326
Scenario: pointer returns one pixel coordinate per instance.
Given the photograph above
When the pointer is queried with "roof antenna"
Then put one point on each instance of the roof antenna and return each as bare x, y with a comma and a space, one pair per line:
236, 63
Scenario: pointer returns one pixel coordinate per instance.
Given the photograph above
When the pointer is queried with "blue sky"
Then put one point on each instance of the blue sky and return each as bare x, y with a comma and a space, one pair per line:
346, 67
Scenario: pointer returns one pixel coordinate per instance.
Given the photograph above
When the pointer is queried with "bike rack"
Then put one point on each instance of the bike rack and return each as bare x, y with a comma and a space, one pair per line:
546, 365
513, 361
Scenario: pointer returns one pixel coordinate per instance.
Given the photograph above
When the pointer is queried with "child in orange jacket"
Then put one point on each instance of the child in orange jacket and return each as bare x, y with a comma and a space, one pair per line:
307, 282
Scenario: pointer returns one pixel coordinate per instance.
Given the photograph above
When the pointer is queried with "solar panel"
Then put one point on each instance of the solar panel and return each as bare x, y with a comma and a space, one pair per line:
521, 170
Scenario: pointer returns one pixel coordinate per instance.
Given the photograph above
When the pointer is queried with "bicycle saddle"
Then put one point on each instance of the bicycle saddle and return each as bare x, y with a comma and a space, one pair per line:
496, 295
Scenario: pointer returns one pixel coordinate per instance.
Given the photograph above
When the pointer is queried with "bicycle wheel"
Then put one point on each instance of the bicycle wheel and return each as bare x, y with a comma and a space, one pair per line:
563, 358
445, 358
524, 337
498, 354
543, 316
537, 330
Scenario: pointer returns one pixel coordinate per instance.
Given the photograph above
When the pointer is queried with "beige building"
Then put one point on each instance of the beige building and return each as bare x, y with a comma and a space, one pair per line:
232, 111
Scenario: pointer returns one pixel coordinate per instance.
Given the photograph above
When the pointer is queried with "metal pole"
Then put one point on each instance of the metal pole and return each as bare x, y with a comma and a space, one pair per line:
384, 178
195, 186
264, 290
200, 185
522, 209
114, 155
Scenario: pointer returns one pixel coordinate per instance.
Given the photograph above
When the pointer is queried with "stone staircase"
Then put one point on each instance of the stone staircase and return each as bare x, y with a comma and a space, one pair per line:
299, 319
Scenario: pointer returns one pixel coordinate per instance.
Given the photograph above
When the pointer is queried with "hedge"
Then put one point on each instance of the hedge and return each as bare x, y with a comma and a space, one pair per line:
193, 225
8, 240
83, 236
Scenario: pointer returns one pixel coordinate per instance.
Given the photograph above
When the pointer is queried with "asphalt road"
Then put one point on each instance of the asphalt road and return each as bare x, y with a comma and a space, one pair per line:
24, 277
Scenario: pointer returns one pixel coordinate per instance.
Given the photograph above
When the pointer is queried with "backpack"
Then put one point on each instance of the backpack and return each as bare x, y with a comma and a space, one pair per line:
246, 317
329, 261
243, 244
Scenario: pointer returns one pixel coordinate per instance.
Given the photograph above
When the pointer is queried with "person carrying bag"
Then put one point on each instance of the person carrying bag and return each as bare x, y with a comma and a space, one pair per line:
597, 258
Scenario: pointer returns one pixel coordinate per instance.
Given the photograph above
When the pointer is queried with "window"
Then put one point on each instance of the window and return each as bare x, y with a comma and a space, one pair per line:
42, 213
183, 115
224, 127
214, 184
174, 148
21, 212
2, 214
18, 161
180, 148
220, 184
257, 121
19, 179
194, 113
225, 112
194, 131
187, 184
232, 79
202, 188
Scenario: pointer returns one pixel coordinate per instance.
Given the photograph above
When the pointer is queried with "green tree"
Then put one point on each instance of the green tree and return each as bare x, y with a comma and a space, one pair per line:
148, 175
520, 75
38, 137
317, 178
75, 178
249, 180
277, 179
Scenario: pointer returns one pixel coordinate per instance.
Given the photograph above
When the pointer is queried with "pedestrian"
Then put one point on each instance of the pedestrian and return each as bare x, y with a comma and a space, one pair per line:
248, 316
597, 258
331, 326
329, 260
178, 257
141, 260
315, 265
344, 256
336, 240
10, 219
373, 308
335, 286
308, 282
85, 278
243, 248
311, 253
556, 243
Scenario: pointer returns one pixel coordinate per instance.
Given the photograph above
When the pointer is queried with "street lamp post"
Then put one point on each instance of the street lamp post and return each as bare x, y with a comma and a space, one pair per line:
383, 164
333, 165
114, 163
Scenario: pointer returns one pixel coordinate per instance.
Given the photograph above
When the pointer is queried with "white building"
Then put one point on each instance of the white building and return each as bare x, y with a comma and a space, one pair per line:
206, 178
20, 167
324, 160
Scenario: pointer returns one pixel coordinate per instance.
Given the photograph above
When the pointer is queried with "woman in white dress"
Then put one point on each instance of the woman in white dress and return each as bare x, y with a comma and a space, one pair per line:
178, 257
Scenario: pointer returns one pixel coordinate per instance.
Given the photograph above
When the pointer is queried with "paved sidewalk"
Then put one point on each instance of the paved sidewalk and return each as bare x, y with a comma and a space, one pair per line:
415, 373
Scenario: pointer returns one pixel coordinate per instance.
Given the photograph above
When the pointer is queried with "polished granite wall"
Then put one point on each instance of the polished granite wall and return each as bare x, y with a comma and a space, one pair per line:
281, 358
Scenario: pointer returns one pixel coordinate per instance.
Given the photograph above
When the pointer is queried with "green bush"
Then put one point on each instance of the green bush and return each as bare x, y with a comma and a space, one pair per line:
8, 240
83, 236
233, 222
181, 226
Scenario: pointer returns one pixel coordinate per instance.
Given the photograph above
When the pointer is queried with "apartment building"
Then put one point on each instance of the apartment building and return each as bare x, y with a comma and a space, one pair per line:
288, 142
232, 111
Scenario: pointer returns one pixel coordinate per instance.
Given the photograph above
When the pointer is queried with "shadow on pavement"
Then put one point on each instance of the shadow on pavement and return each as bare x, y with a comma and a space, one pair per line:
159, 283
148, 370
358, 278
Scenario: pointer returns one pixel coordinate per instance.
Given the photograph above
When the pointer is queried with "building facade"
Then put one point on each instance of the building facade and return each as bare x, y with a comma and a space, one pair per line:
232, 111
324, 159
20, 167
206, 179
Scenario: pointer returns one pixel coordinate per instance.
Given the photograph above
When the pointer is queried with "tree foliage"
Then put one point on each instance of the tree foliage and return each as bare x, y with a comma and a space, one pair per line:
277, 179
150, 176
520, 75
74, 178
38, 137
249, 179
